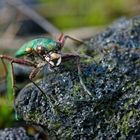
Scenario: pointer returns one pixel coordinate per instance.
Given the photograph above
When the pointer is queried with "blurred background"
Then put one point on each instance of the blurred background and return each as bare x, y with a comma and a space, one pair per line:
22, 20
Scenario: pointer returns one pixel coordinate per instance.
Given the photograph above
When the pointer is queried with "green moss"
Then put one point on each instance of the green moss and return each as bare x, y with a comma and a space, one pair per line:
57, 125
77, 88
124, 122
131, 101
67, 109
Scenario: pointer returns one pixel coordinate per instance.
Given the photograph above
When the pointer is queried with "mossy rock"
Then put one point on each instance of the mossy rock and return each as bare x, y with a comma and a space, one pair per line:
105, 104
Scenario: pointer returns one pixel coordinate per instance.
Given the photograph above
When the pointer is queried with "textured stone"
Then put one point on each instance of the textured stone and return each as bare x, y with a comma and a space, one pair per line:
111, 75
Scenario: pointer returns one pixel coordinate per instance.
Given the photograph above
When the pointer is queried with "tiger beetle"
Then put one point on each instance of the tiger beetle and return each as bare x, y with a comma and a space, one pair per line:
41, 51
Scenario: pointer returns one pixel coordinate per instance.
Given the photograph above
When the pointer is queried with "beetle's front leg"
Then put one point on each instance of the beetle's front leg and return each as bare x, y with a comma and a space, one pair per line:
18, 61
33, 73
14, 60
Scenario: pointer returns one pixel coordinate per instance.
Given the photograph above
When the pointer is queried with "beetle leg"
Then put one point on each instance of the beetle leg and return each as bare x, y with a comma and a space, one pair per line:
80, 77
63, 38
60, 37
33, 73
77, 57
14, 60
18, 61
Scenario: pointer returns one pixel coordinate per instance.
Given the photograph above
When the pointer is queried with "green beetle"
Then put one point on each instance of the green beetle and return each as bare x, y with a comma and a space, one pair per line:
45, 49
48, 51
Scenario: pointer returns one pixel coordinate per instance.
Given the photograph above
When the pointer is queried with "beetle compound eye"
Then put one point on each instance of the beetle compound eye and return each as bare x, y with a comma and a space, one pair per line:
29, 50
40, 49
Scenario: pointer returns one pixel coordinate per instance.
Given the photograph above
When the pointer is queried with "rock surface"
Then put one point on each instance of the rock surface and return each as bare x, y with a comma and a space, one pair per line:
15, 134
101, 103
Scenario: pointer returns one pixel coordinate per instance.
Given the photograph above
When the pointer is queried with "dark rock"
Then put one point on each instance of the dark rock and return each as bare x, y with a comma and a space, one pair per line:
105, 104
15, 134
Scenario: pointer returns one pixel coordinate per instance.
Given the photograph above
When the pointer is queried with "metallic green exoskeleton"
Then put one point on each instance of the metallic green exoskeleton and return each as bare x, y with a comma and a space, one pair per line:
48, 44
